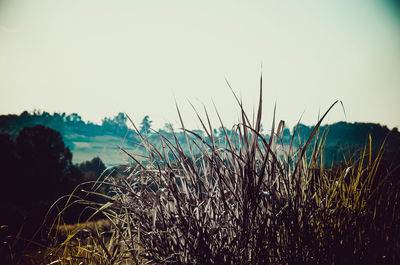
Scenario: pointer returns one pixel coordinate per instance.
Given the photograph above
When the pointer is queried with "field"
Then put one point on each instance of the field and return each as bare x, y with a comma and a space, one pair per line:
103, 146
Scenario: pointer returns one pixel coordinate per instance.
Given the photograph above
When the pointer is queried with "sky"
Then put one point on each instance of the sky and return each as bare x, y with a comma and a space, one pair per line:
98, 58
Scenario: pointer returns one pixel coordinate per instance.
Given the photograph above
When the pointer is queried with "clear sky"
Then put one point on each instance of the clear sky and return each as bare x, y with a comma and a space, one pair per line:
98, 58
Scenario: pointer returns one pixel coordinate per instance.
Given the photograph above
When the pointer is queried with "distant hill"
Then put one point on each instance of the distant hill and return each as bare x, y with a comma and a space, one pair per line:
87, 140
346, 140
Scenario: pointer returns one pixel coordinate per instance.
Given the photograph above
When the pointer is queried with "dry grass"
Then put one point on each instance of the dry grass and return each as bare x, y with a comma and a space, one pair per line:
241, 199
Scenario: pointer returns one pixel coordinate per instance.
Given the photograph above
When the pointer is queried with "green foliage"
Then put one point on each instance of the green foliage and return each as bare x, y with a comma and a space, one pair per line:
145, 125
117, 124
345, 141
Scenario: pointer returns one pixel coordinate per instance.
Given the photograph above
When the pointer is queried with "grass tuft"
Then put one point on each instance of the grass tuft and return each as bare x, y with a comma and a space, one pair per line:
239, 198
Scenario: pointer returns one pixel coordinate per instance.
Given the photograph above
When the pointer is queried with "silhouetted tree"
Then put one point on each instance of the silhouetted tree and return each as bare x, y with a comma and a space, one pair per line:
36, 170
44, 159
9, 169
94, 167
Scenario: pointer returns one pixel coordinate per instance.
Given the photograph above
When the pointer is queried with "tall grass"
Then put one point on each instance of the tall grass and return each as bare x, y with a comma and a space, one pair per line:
240, 198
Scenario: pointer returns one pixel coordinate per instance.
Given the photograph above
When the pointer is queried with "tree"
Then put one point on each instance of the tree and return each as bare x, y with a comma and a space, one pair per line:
120, 120
145, 125
286, 136
45, 160
36, 170
96, 167
75, 119
116, 124
169, 127
9, 169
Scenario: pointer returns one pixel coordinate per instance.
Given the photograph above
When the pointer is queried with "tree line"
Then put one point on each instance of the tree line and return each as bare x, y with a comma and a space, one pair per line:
343, 138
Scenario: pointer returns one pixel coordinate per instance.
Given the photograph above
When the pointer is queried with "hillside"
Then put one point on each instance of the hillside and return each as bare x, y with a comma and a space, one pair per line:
345, 141
87, 140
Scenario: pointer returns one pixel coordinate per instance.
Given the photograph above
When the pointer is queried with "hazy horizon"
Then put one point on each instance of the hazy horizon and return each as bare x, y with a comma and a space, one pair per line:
98, 58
